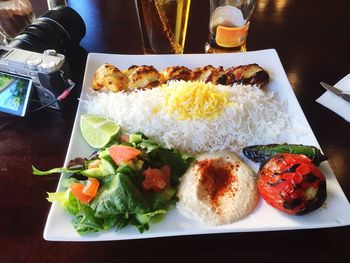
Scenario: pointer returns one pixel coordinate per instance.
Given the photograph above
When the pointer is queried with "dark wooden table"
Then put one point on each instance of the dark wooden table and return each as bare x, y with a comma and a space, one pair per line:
312, 40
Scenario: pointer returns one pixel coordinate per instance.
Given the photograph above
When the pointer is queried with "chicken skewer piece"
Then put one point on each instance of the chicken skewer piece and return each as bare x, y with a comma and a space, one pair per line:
146, 77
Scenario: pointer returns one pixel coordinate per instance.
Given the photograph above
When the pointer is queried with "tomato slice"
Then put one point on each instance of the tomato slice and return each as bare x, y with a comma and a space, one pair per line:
77, 191
85, 193
156, 179
166, 171
123, 153
91, 187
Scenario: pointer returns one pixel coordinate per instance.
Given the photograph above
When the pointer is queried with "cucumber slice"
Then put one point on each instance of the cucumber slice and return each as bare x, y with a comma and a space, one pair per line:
135, 138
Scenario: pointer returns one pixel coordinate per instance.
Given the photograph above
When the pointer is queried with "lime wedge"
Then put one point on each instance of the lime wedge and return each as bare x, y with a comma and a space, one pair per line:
98, 131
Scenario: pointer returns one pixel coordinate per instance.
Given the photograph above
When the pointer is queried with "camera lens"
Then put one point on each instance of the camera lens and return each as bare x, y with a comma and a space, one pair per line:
59, 29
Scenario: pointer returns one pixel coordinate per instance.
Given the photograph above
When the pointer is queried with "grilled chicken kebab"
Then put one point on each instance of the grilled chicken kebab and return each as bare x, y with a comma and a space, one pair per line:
147, 77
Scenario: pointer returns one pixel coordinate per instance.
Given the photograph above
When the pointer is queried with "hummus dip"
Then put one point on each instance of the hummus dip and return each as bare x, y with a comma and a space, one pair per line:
218, 189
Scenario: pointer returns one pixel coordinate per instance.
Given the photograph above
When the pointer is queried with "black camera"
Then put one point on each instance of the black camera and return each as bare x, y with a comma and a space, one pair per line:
35, 58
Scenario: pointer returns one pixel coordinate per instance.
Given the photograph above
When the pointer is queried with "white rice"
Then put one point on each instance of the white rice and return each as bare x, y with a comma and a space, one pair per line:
257, 117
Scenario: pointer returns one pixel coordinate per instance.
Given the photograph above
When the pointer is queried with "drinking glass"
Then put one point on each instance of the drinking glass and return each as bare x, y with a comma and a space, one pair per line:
15, 15
229, 24
51, 4
163, 25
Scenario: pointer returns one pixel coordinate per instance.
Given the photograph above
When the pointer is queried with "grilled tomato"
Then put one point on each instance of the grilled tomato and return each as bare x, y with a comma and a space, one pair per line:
292, 183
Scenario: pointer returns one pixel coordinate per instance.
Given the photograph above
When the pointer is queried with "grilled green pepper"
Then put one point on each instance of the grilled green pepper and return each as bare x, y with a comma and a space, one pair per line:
261, 153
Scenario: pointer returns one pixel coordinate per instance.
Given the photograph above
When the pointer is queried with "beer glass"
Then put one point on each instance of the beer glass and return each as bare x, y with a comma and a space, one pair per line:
229, 24
163, 25
15, 15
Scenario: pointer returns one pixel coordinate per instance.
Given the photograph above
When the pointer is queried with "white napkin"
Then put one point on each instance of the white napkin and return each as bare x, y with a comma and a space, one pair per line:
335, 103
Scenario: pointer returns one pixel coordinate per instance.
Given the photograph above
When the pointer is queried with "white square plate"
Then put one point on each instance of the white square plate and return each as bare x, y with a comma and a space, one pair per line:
335, 213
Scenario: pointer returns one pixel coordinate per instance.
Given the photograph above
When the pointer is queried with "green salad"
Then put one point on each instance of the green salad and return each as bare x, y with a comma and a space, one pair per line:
130, 181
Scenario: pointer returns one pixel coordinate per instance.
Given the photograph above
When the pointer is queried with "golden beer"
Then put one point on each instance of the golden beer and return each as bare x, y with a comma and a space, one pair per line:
163, 25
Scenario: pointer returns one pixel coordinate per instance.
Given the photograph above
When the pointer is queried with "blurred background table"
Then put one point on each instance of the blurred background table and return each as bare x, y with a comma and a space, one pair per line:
312, 40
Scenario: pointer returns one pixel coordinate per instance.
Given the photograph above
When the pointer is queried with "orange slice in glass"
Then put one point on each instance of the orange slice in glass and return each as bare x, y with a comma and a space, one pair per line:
231, 36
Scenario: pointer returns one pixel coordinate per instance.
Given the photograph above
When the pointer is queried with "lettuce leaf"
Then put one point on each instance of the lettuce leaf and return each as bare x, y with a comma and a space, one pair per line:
84, 220
177, 161
159, 156
56, 170
120, 196
67, 200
